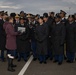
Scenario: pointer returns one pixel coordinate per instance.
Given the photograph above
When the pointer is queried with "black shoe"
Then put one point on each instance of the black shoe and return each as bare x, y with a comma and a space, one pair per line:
68, 61
59, 63
41, 62
45, 62
55, 61
25, 60
11, 69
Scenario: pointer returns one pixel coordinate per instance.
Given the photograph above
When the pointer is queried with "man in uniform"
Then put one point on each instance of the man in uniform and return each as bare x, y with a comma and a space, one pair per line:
48, 22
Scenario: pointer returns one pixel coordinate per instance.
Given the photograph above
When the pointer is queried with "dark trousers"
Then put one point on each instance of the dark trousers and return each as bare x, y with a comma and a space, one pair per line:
59, 58
22, 55
50, 54
70, 56
42, 58
2, 54
33, 46
12, 52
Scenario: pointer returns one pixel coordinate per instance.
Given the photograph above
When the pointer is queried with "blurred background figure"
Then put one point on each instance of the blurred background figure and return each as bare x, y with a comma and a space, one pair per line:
3, 17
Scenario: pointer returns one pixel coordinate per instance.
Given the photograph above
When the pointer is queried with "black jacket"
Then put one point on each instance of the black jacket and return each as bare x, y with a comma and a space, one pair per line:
2, 36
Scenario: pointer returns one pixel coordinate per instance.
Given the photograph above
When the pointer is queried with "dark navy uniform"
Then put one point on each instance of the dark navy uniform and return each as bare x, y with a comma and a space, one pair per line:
2, 39
41, 35
23, 44
71, 41
58, 37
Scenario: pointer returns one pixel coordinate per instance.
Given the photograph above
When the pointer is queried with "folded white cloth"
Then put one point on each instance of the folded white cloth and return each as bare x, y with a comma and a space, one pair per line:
9, 55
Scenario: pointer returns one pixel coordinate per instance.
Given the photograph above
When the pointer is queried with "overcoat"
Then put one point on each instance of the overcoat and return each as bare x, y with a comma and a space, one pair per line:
23, 44
10, 36
2, 36
71, 37
41, 35
58, 38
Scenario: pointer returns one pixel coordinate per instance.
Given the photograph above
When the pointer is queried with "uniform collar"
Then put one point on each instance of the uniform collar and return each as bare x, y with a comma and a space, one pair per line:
58, 22
63, 18
71, 22
22, 24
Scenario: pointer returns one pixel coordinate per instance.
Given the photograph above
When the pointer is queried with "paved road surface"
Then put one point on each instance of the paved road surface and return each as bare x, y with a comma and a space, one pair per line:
35, 68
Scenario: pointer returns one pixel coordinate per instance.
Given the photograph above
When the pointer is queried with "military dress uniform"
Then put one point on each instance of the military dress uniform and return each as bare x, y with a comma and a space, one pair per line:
41, 35
23, 44
58, 38
49, 24
71, 40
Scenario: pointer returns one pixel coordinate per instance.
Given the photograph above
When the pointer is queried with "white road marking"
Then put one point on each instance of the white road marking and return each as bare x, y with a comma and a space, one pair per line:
26, 66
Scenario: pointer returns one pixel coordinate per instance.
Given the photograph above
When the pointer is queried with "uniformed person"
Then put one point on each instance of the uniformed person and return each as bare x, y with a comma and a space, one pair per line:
17, 19
23, 44
63, 15
41, 35
48, 22
71, 38
58, 38
22, 14
52, 15
64, 21
2, 34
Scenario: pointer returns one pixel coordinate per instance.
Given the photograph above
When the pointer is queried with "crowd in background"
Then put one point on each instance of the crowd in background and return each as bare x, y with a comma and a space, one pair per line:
48, 36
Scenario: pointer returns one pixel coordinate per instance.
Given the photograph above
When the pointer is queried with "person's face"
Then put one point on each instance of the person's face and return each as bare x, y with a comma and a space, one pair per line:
70, 19
22, 14
52, 15
5, 16
57, 19
40, 21
45, 19
62, 15
36, 18
22, 21
11, 20
29, 18
17, 18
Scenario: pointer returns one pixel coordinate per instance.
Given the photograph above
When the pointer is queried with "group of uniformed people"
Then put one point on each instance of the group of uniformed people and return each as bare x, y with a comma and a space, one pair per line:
48, 36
